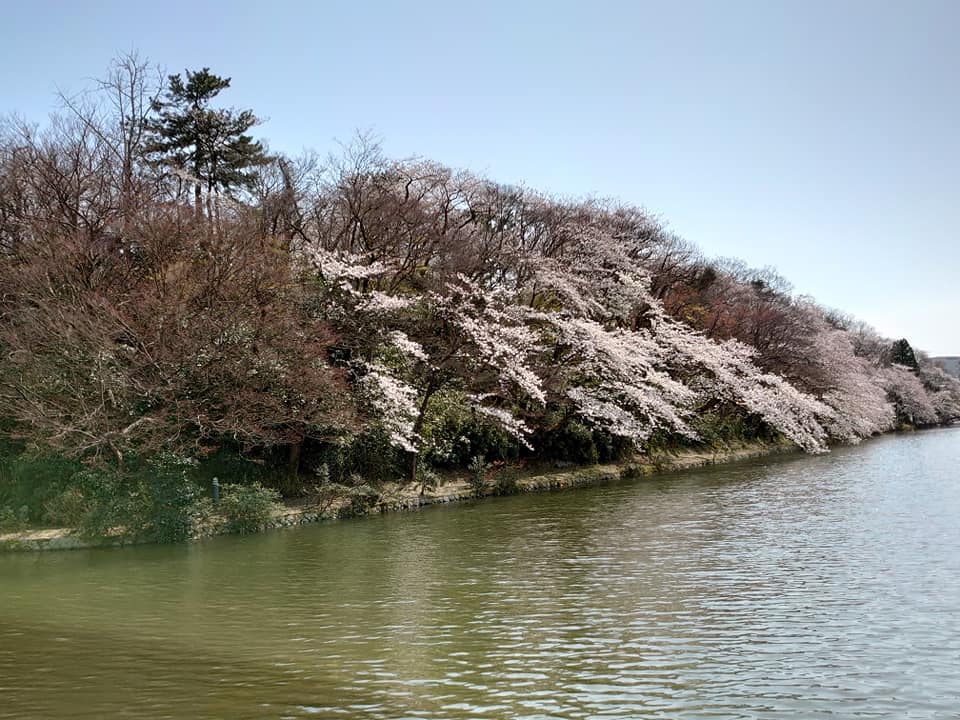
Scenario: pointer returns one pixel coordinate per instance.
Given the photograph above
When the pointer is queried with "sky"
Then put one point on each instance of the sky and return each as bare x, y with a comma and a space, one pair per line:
821, 138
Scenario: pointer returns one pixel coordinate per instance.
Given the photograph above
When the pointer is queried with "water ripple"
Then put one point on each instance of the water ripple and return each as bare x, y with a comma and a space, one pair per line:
824, 587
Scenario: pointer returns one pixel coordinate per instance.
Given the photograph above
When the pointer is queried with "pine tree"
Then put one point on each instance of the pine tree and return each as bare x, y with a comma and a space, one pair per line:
209, 145
902, 354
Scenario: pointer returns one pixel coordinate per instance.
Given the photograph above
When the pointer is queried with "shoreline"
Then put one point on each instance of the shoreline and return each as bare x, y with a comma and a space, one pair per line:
396, 498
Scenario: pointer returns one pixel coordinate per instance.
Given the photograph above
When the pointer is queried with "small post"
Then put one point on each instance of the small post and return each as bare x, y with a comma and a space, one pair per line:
216, 491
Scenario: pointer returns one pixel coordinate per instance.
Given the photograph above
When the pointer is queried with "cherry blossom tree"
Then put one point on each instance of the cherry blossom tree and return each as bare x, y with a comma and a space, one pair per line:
364, 293
912, 403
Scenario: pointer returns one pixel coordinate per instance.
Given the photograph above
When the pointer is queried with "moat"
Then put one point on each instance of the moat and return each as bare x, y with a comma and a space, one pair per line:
787, 586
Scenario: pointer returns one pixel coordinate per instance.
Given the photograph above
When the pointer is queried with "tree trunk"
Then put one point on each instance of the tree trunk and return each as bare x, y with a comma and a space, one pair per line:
414, 460
293, 458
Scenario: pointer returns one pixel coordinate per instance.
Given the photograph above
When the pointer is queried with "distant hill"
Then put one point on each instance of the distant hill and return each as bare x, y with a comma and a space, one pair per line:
949, 363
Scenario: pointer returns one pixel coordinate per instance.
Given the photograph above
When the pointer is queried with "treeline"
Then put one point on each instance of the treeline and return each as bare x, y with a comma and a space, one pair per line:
170, 288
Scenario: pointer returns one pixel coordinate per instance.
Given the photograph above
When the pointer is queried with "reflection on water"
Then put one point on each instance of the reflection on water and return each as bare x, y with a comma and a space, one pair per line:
806, 587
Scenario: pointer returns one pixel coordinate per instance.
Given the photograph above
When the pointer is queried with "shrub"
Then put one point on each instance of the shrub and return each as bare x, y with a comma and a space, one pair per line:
507, 481
157, 501
14, 520
324, 492
611, 447
66, 509
32, 480
111, 505
478, 473
363, 498
247, 508
570, 441
427, 477
369, 455
453, 433
204, 513
730, 425
169, 508
360, 496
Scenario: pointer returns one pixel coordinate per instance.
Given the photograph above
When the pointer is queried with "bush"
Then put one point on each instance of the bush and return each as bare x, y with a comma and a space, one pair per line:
66, 509
478, 473
360, 497
97, 502
204, 513
323, 491
247, 508
570, 441
507, 481
369, 455
32, 480
427, 477
157, 501
14, 520
111, 505
169, 508
454, 433
363, 498
611, 447
730, 425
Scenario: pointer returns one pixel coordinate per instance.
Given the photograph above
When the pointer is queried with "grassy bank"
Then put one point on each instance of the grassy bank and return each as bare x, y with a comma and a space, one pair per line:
341, 502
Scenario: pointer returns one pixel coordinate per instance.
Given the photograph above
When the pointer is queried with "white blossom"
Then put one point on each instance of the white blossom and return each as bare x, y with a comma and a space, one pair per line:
505, 420
396, 401
378, 303
407, 346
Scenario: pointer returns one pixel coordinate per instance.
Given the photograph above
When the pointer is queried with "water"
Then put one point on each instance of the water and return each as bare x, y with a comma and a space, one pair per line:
802, 587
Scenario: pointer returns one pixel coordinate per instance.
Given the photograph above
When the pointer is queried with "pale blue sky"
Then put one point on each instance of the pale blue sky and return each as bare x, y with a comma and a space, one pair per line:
818, 137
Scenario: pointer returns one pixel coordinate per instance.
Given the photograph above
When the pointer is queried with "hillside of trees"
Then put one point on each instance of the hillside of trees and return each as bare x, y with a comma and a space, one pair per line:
173, 294
950, 364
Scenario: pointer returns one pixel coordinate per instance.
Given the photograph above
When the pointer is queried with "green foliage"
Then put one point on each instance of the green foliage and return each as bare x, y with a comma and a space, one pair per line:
111, 505
662, 442
453, 433
33, 480
362, 496
478, 468
323, 491
721, 427
14, 520
156, 501
212, 145
325, 494
902, 354
611, 447
368, 454
247, 508
168, 507
204, 513
66, 509
507, 481
427, 477
569, 441
322, 474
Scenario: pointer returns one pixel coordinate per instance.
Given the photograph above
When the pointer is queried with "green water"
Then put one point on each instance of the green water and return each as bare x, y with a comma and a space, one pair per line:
806, 587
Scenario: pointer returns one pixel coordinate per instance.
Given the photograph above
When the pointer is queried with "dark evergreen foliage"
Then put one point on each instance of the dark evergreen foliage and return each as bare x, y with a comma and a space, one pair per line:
211, 145
902, 354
